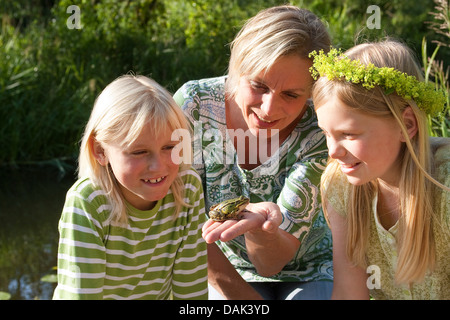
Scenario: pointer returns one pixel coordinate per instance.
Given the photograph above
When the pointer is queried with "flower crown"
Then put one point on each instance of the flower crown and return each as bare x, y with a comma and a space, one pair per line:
335, 65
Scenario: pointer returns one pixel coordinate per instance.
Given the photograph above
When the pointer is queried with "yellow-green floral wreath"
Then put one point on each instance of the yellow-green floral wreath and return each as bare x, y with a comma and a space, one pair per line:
336, 66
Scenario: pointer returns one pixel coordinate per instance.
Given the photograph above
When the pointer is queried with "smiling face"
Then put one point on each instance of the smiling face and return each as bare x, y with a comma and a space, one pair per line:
274, 99
365, 146
144, 169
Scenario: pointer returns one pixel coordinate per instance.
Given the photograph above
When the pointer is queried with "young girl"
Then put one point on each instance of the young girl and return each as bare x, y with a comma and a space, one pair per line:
131, 225
386, 188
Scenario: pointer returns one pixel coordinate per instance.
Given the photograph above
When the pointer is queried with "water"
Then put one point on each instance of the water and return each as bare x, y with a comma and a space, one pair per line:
31, 201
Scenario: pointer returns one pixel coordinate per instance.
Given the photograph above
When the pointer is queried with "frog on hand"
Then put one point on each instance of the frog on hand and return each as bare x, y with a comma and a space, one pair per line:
235, 217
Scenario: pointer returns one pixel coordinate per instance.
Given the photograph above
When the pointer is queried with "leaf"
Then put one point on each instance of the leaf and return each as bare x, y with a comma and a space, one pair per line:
389, 91
5, 295
52, 278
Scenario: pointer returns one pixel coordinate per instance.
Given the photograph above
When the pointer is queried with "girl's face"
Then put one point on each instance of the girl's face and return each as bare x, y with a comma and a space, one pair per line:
366, 147
276, 99
145, 170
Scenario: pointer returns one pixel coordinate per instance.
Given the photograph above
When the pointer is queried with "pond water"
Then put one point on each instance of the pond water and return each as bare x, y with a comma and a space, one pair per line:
31, 201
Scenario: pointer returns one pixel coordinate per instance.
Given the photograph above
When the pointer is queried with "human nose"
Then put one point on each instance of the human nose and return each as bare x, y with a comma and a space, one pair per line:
269, 104
335, 149
155, 162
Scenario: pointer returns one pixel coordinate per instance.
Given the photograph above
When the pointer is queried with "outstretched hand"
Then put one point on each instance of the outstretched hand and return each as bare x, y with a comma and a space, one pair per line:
261, 216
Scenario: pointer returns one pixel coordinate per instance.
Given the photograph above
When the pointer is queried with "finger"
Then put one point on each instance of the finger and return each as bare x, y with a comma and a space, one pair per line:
274, 216
269, 226
209, 227
208, 224
213, 233
239, 228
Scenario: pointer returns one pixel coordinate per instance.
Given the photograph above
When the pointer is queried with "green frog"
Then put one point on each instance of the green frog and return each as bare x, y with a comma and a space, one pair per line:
228, 209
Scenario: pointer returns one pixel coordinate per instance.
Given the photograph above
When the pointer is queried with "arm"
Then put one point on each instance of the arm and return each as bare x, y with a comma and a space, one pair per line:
270, 250
225, 279
349, 280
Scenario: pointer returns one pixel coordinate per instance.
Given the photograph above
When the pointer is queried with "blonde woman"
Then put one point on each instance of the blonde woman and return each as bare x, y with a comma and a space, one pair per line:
256, 135
386, 188
131, 225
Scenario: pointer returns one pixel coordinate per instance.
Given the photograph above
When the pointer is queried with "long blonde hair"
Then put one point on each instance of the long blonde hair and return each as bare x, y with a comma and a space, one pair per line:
123, 108
416, 245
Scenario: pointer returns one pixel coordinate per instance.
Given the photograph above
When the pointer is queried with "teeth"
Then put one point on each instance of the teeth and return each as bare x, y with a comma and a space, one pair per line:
263, 120
154, 180
348, 165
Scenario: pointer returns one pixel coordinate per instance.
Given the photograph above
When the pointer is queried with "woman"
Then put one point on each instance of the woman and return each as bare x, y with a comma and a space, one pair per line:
256, 135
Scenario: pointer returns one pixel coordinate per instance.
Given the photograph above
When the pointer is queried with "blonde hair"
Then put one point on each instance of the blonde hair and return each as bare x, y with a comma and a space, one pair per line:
416, 246
120, 112
271, 34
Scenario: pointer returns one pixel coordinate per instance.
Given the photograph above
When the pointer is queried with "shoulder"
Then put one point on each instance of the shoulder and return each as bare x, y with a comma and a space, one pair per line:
440, 148
441, 155
202, 100
336, 188
200, 88
84, 189
88, 200
191, 179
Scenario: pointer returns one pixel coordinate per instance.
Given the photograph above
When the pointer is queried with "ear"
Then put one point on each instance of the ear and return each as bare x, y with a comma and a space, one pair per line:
98, 152
410, 121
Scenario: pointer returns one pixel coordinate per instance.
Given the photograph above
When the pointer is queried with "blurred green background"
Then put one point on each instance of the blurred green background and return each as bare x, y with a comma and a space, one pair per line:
50, 74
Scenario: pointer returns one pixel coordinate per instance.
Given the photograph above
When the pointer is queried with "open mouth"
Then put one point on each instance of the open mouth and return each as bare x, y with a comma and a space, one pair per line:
157, 180
264, 120
347, 168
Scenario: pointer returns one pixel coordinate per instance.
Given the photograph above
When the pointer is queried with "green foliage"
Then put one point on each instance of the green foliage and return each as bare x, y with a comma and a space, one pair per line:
50, 74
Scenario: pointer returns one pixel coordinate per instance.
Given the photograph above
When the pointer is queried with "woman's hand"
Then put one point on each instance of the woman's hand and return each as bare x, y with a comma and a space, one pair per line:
257, 217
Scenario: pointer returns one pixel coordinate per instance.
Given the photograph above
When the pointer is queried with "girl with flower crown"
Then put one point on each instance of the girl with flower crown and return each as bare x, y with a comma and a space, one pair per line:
386, 187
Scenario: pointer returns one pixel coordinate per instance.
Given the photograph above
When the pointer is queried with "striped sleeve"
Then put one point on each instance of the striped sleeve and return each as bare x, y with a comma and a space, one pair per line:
190, 269
81, 251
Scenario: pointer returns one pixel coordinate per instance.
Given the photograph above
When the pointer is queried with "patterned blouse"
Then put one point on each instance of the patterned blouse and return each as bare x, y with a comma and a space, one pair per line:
290, 178
382, 252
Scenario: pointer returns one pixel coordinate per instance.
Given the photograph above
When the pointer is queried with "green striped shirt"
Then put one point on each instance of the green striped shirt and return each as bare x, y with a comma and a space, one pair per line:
153, 257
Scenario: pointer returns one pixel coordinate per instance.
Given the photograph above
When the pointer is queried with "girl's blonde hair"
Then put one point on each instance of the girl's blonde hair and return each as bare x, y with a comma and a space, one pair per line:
120, 112
271, 34
416, 245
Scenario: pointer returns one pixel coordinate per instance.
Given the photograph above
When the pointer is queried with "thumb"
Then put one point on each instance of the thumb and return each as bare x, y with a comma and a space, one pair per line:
273, 220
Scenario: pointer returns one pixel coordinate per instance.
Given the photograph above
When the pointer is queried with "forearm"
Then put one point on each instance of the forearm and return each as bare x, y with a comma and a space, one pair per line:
225, 279
270, 252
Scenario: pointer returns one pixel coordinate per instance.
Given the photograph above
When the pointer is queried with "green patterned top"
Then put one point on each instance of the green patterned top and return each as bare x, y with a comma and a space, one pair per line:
290, 177
382, 251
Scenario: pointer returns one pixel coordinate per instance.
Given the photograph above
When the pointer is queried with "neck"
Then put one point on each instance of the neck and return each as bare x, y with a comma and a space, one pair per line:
388, 206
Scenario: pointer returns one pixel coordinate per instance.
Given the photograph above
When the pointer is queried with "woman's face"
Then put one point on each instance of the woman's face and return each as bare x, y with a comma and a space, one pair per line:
275, 99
